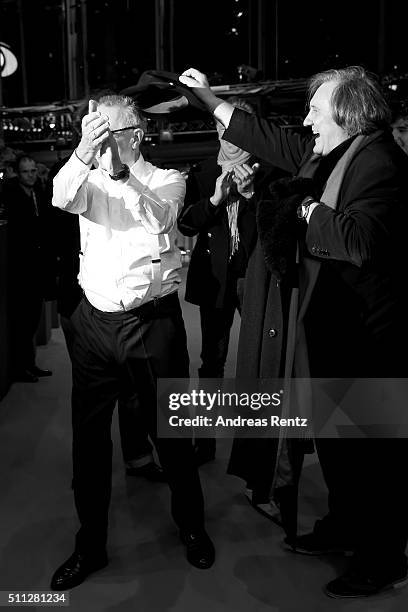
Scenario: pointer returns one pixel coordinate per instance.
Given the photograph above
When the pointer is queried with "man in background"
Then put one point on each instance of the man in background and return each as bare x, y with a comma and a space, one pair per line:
400, 127
30, 264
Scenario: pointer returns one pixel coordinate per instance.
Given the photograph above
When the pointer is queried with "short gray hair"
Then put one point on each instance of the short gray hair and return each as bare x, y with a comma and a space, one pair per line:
131, 111
357, 102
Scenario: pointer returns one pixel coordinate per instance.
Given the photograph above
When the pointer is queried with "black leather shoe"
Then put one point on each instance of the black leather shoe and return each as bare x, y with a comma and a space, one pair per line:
151, 471
26, 376
359, 583
75, 569
199, 548
39, 372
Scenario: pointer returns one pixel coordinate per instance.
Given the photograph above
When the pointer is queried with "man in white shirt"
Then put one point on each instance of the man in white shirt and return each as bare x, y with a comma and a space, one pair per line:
128, 327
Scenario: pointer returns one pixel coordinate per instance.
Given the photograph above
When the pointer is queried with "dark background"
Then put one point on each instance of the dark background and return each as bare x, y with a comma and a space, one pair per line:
118, 39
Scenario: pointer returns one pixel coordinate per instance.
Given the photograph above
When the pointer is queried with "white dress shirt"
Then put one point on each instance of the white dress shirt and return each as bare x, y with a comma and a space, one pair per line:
124, 226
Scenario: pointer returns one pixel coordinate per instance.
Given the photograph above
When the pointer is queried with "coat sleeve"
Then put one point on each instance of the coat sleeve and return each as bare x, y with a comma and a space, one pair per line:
279, 147
198, 212
361, 230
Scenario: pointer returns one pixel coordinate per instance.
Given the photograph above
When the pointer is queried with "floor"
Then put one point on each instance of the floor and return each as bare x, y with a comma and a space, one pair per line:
148, 571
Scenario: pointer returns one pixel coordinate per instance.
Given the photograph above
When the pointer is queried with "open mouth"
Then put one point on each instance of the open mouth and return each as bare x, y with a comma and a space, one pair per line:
316, 135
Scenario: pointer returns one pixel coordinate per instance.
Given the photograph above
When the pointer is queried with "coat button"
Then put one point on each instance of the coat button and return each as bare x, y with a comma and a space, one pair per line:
314, 249
208, 251
209, 234
272, 333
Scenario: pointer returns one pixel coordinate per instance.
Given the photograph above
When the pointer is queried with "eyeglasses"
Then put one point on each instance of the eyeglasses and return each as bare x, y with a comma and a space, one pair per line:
131, 127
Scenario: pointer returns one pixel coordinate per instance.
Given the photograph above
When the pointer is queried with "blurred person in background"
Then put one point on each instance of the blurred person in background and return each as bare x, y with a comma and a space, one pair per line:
30, 264
400, 127
42, 174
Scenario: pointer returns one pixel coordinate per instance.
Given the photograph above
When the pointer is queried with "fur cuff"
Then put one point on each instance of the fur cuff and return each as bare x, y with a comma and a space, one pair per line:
278, 225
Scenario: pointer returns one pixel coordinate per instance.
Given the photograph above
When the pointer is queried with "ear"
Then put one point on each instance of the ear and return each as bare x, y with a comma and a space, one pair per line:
137, 137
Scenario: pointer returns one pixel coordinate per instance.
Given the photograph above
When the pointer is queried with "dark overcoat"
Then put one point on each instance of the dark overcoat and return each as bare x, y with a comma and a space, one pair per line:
356, 322
31, 260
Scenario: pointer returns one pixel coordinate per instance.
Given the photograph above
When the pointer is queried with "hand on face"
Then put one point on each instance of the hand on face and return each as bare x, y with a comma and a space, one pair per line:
95, 131
108, 155
94, 127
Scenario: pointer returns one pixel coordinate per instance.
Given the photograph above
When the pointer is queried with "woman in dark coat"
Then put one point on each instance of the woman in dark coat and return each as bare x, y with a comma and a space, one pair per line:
220, 208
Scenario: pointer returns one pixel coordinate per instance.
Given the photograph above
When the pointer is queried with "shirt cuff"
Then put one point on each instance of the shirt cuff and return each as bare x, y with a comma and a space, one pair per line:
223, 113
311, 209
77, 165
132, 191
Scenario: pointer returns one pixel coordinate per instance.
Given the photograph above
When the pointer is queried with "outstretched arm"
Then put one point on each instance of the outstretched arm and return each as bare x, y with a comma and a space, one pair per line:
282, 148
198, 81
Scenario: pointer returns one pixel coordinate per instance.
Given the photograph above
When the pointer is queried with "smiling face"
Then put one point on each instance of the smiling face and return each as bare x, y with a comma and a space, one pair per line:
400, 133
328, 134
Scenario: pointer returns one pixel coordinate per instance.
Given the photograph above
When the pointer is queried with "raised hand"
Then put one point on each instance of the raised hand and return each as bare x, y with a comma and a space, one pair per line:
95, 131
197, 80
243, 177
222, 188
194, 78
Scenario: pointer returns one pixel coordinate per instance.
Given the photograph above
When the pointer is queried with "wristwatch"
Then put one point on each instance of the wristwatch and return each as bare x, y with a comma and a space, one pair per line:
303, 208
122, 174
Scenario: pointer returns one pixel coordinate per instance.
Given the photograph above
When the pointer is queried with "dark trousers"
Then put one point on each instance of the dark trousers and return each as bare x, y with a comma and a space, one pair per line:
136, 448
368, 505
25, 313
366, 477
216, 326
122, 355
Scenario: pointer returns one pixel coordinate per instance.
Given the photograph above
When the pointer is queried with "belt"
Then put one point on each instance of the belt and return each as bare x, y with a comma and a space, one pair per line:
155, 308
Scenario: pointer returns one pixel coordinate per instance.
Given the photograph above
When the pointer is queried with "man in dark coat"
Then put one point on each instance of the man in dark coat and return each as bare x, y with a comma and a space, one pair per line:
351, 319
31, 267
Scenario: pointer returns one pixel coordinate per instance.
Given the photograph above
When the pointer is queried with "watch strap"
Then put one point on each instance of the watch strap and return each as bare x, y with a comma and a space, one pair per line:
303, 208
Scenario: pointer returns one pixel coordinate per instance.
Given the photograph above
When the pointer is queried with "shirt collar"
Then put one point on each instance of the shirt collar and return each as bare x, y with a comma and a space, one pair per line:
138, 168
